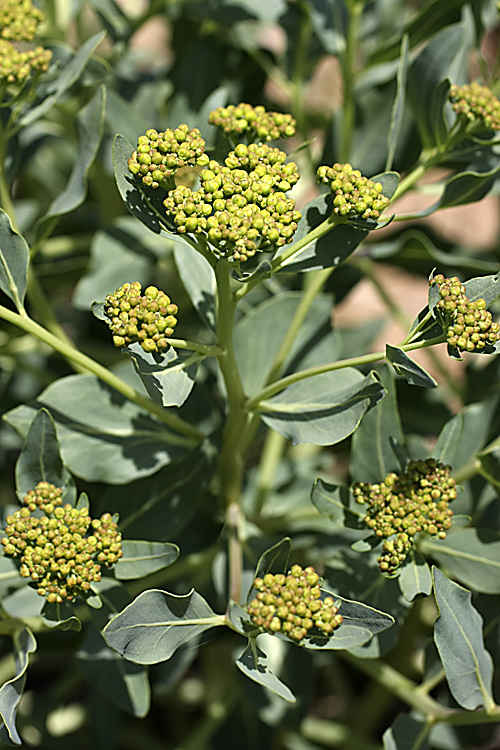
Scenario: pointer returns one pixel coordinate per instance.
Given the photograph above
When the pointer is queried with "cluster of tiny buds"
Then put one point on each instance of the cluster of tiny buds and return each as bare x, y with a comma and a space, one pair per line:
402, 506
19, 19
148, 318
241, 205
476, 103
470, 324
354, 195
292, 604
159, 155
256, 121
62, 551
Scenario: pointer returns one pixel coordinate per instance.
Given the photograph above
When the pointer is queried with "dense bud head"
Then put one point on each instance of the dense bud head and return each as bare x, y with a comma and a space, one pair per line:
401, 506
66, 550
160, 155
476, 104
292, 604
16, 66
256, 121
19, 20
147, 318
353, 194
470, 326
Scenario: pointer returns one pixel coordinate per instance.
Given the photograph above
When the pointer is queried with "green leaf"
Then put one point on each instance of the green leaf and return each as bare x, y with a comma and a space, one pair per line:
14, 260
406, 733
398, 108
89, 125
255, 360
464, 435
23, 603
11, 691
330, 250
273, 560
483, 287
9, 576
160, 506
157, 623
143, 558
198, 279
60, 615
458, 635
337, 504
253, 663
465, 187
69, 75
168, 377
124, 683
415, 577
372, 455
471, 555
361, 622
103, 437
412, 372
39, 460
323, 409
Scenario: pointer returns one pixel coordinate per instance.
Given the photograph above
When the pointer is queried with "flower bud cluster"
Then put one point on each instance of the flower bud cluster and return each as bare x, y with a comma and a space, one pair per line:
147, 318
401, 506
354, 195
470, 325
475, 102
16, 66
160, 155
242, 118
19, 19
241, 206
63, 551
292, 604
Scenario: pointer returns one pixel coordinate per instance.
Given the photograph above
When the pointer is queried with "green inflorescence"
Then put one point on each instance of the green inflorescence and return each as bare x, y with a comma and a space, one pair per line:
470, 325
62, 551
292, 604
148, 318
476, 103
159, 155
402, 506
257, 121
354, 195
19, 21
241, 206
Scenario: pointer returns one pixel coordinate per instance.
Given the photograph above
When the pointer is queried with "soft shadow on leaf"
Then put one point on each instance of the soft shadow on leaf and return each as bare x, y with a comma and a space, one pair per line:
14, 260
405, 733
11, 691
142, 558
253, 664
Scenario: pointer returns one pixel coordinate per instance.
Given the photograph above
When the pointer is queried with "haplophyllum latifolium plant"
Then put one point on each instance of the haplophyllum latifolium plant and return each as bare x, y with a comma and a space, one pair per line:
238, 231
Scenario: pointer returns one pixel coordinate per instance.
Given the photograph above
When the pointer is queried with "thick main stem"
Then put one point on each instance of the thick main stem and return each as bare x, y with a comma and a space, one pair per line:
231, 464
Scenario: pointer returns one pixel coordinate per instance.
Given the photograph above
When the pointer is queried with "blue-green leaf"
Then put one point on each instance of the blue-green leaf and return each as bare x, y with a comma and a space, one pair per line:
463, 436
406, 733
14, 260
458, 635
412, 372
253, 663
336, 503
275, 559
157, 623
10, 693
323, 409
198, 279
168, 377
398, 108
415, 577
142, 558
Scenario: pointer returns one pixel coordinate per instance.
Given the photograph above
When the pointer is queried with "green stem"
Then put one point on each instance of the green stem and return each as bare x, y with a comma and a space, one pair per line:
272, 452
103, 373
365, 359
206, 349
231, 464
347, 62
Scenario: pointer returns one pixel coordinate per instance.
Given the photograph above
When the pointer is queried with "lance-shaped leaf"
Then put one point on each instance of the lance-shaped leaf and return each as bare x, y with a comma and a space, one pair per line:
360, 623
415, 577
168, 378
458, 635
373, 455
413, 373
89, 125
275, 559
142, 558
198, 279
156, 623
337, 504
39, 460
406, 733
323, 409
471, 555
253, 664
10, 693
463, 436
70, 73
14, 259
466, 187
398, 108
